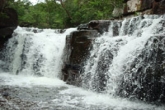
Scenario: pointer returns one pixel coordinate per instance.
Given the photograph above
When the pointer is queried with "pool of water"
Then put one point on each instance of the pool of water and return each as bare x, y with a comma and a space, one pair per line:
18, 92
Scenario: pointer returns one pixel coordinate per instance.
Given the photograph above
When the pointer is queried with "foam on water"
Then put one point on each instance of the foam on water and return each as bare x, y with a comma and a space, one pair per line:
29, 81
35, 51
71, 96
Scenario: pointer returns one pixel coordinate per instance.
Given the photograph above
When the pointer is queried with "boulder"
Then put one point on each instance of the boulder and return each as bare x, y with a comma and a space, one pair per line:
132, 6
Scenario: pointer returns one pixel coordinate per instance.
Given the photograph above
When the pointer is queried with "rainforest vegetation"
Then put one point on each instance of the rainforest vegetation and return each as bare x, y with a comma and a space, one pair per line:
62, 14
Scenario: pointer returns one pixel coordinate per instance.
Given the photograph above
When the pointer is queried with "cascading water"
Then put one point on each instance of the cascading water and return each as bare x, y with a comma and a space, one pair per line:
31, 63
35, 52
118, 65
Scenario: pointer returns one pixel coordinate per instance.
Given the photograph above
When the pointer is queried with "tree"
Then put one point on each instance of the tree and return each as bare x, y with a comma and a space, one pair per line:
62, 4
67, 14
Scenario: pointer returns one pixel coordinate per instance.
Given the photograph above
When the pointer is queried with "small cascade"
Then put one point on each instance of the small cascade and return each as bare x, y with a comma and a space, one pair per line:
118, 63
33, 51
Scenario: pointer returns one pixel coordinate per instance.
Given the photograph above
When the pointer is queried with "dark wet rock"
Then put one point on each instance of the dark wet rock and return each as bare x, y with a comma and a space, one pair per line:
7, 31
145, 79
78, 45
35, 30
61, 30
83, 27
8, 22
3, 40
77, 48
70, 73
100, 25
26, 24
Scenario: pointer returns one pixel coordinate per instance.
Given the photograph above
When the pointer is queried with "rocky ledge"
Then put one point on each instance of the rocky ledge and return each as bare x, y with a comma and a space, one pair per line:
77, 48
8, 22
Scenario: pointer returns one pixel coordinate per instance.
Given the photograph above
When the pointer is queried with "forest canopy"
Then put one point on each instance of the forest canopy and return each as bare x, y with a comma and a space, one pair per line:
68, 13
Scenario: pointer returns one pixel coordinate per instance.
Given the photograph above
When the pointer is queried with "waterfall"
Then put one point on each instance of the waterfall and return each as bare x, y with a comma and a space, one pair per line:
127, 61
118, 62
33, 51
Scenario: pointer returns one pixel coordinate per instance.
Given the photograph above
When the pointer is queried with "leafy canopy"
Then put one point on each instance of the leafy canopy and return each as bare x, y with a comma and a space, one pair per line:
67, 14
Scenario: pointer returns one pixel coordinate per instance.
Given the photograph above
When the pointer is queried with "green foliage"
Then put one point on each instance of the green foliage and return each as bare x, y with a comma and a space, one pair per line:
53, 15
83, 11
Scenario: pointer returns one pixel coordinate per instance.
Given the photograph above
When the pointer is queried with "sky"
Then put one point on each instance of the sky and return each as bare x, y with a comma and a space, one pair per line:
35, 1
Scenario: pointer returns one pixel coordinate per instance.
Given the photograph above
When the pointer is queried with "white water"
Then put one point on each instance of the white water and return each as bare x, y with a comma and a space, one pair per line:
31, 54
36, 53
129, 51
72, 97
112, 56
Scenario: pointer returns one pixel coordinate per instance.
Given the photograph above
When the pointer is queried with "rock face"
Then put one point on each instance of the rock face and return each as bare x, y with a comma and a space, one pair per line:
146, 4
138, 5
158, 7
78, 45
8, 22
132, 7
77, 48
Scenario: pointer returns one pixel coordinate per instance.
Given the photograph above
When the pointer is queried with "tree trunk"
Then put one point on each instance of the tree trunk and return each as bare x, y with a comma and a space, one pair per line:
67, 12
